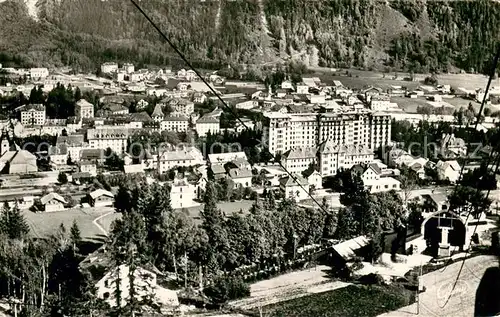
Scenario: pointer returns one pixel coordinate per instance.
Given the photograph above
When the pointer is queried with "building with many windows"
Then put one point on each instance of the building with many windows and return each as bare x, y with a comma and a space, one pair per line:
33, 114
181, 157
84, 109
299, 159
113, 138
284, 131
332, 157
175, 122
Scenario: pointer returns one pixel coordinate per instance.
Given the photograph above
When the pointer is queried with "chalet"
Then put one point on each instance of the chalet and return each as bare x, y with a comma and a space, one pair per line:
242, 177
101, 198
295, 187
448, 170
52, 202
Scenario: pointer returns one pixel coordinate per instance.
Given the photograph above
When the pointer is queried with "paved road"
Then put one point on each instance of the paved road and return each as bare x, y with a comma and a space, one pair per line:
439, 284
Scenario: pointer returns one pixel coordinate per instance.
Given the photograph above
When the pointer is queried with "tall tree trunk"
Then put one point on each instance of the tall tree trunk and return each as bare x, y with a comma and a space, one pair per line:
44, 282
175, 267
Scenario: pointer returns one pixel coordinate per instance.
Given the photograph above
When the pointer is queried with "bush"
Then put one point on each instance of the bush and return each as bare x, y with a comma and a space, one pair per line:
227, 288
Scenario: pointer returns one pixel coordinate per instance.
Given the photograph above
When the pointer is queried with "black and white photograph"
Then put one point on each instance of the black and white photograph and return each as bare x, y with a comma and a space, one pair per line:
249, 158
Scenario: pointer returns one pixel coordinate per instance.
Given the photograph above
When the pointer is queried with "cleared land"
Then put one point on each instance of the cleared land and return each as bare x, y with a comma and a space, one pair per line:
45, 224
289, 286
361, 79
353, 300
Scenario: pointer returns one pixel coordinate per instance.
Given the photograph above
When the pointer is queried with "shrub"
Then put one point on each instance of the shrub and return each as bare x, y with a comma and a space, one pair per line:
227, 288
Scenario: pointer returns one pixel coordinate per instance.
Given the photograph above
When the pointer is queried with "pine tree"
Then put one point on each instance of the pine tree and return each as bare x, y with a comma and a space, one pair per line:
75, 235
15, 226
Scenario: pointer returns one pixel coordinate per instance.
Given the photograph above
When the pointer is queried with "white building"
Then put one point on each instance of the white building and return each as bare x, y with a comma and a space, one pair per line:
84, 109
182, 194
108, 68
284, 131
182, 157
128, 68
207, 124
333, 157
87, 167
52, 202
223, 158
144, 285
295, 187
448, 170
113, 138
33, 114
177, 123
299, 159
39, 73
242, 177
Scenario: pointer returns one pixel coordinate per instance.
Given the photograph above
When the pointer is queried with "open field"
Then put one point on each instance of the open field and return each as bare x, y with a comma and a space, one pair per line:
353, 300
45, 224
440, 283
376, 78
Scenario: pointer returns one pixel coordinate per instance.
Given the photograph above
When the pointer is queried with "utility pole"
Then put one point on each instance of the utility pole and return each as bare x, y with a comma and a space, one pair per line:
419, 288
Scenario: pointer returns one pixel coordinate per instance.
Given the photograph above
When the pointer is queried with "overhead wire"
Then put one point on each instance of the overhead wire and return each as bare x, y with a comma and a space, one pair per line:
471, 209
215, 93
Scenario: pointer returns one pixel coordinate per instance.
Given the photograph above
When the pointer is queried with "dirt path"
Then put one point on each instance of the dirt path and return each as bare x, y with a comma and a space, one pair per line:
289, 286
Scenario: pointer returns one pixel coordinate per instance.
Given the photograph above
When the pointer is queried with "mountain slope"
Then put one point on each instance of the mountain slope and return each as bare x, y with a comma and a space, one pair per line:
412, 34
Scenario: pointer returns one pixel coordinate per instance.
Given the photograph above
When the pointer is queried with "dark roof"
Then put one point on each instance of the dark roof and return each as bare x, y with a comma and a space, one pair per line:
140, 116
92, 154
375, 167
290, 181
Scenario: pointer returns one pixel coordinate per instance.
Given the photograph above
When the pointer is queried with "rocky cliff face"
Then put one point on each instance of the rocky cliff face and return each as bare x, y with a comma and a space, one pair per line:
411, 34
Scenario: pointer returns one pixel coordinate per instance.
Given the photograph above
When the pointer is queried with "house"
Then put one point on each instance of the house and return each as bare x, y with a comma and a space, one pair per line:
179, 105
302, 89
375, 182
109, 67
207, 124
38, 73
138, 119
190, 156
448, 170
87, 167
435, 202
144, 284
182, 194
418, 167
299, 159
158, 114
452, 146
223, 158
242, 177
242, 125
74, 144
17, 161
94, 155
287, 85
218, 171
314, 179
370, 92
101, 198
52, 202
295, 187
33, 114
199, 97
84, 109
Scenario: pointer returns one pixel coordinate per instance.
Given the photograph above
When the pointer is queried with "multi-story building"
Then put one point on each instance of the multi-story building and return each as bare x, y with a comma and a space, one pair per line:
84, 109
207, 124
182, 157
182, 106
39, 73
33, 114
182, 194
333, 157
128, 68
345, 127
113, 138
299, 159
175, 122
108, 68
286, 131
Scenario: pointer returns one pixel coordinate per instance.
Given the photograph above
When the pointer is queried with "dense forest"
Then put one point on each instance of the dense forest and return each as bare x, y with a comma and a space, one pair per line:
415, 35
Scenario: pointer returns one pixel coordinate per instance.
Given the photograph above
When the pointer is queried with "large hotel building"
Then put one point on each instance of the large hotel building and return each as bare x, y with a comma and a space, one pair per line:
359, 129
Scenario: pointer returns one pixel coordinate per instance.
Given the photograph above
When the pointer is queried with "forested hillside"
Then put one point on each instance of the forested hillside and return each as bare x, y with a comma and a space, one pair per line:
406, 34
